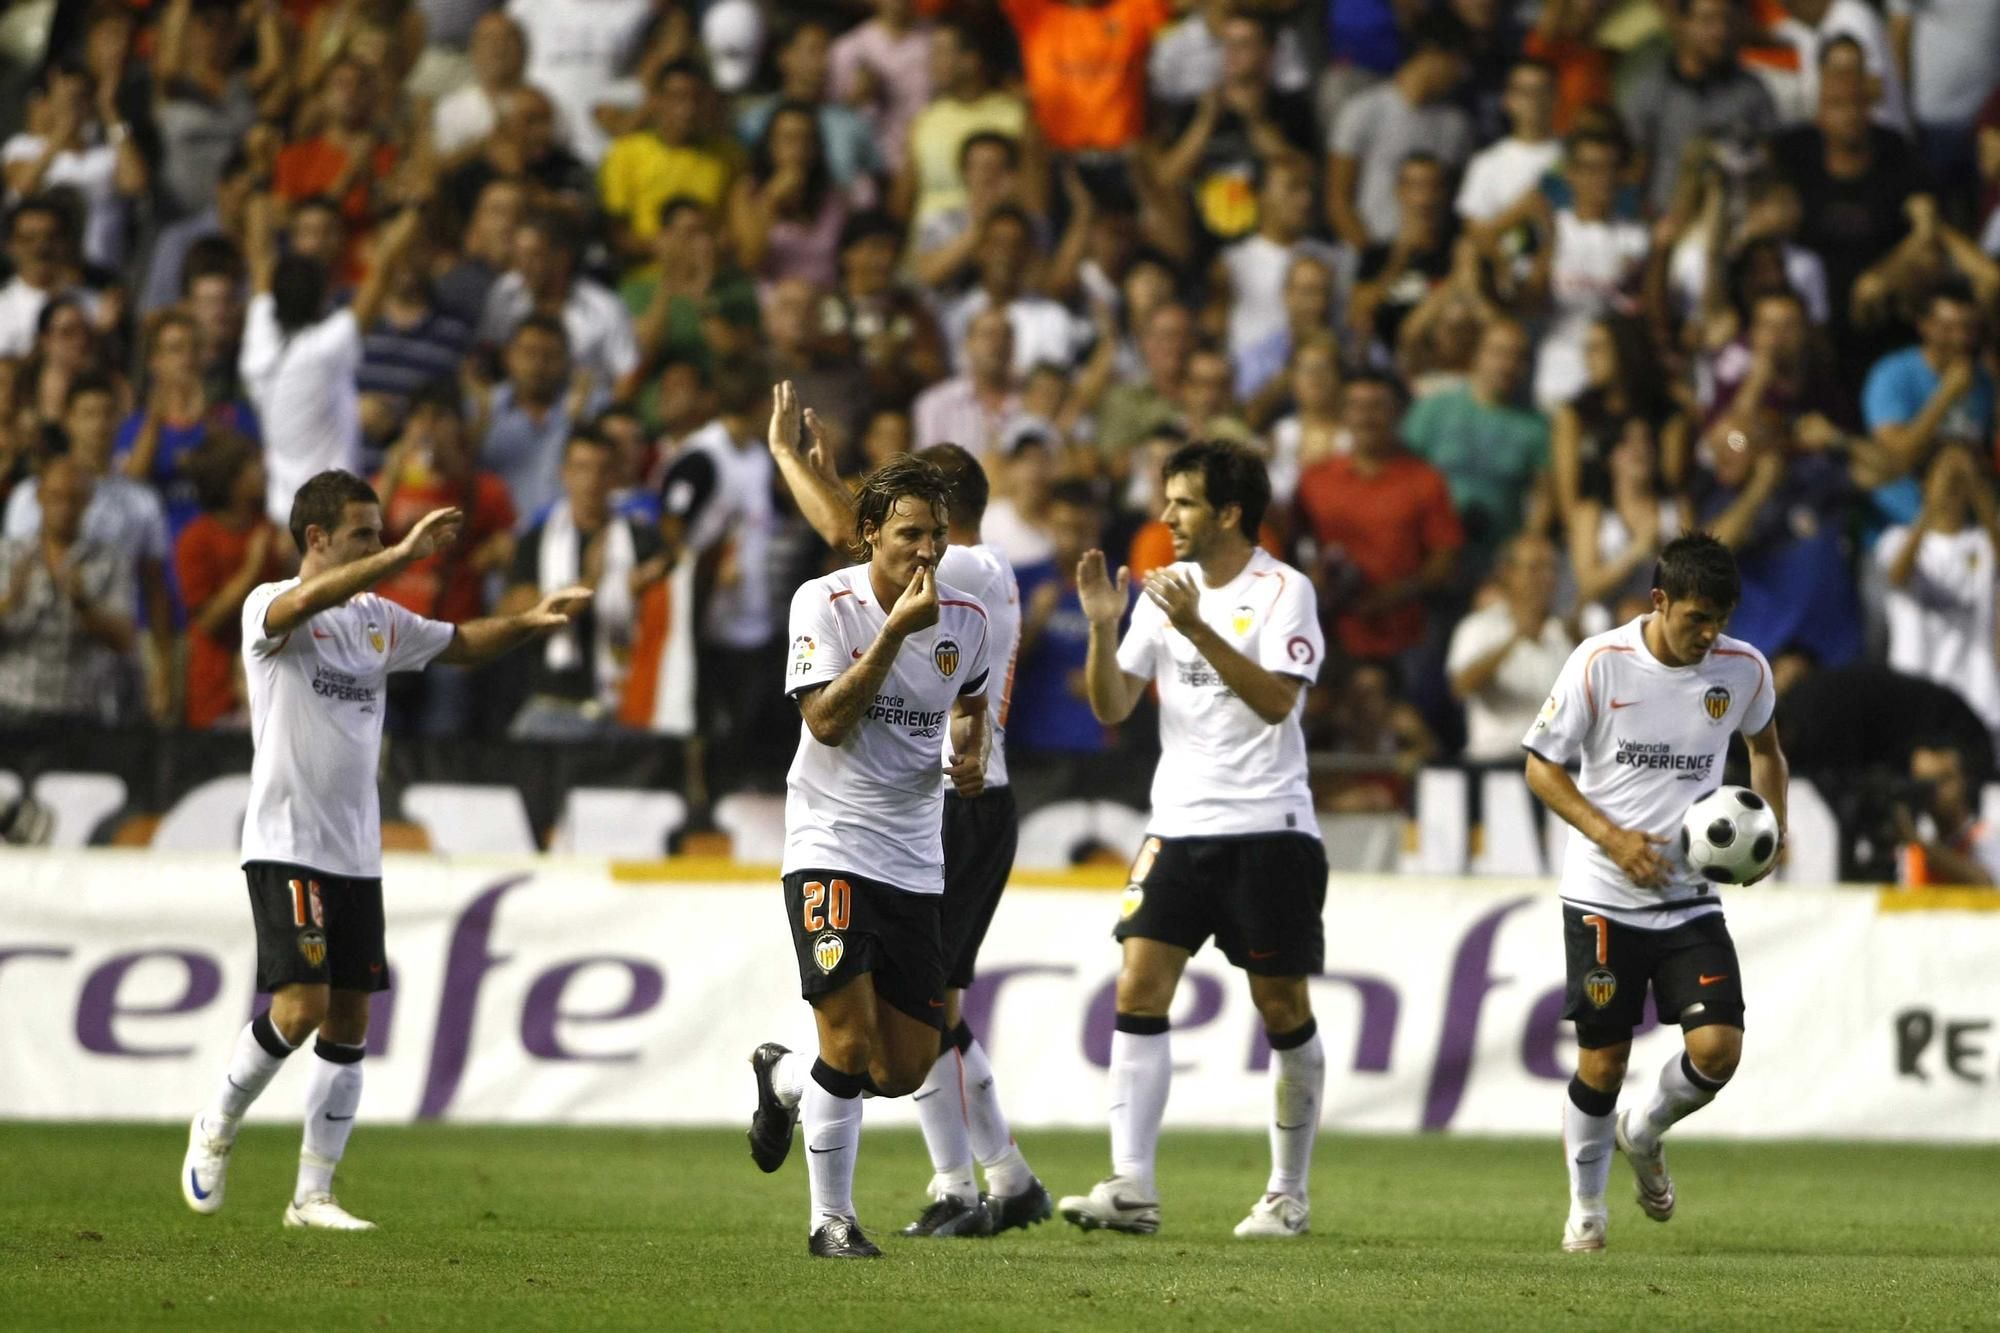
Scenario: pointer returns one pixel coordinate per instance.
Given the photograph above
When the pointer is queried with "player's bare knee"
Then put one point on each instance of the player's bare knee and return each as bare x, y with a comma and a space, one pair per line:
1284, 1003
1143, 992
298, 1011
346, 1021
1714, 1051
1603, 1068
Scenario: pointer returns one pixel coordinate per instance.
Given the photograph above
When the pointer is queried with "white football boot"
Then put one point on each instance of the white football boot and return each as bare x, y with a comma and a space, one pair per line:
1275, 1217
323, 1212
205, 1169
1114, 1203
1584, 1233
1656, 1184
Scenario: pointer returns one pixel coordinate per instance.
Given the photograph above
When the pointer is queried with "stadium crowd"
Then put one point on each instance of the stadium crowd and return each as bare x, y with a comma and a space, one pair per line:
1507, 294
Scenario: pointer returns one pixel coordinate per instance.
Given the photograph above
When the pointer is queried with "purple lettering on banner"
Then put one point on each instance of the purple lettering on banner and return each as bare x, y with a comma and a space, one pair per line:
975, 1007
1102, 1015
543, 1010
1373, 1044
97, 1007
33, 951
466, 965
1452, 1069
1544, 1033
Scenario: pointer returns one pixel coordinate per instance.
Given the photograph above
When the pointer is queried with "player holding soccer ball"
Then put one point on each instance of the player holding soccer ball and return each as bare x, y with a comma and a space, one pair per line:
1649, 708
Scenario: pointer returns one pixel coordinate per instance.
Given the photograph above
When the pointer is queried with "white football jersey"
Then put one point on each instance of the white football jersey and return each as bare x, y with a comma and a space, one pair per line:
874, 804
317, 697
985, 573
1652, 739
1223, 770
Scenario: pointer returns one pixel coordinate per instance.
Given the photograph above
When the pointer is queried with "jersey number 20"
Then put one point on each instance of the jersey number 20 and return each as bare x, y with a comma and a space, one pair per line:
836, 897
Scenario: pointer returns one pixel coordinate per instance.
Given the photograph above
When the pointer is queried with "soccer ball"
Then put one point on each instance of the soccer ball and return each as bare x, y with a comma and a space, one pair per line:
1730, 835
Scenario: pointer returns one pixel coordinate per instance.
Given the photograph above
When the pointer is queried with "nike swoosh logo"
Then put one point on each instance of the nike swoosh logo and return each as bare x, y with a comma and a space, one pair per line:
1707, 980
935, 1004
1617, 704
820, 1151
318, 635
1120, 1201
234, 1084
331, 1116
857, 654
923, 1095
1257, 956
194, 1184
1301, 1125
983, 1084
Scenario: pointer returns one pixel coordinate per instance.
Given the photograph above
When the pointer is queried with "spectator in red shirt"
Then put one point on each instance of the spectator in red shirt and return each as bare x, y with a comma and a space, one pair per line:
347, 161
1085, 62
230, 548
1388, 536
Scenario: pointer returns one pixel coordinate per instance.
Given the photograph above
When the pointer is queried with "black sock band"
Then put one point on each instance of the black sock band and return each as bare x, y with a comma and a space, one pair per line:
869, 1087
961, 1037
838, 1082
1589, 1100
1143, 1025
1297, 1037
336, 1053
1699, 1079
267, 1036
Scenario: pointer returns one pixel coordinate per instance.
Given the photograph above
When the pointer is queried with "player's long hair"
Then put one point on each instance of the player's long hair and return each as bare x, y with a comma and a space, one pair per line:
899, 477
1231, 475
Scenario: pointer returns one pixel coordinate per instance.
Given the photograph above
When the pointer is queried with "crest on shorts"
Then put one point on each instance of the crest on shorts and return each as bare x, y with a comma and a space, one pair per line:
1715, 703
828, 950
1130, 901
1600, 984
312, 947
946, 657
1241, 619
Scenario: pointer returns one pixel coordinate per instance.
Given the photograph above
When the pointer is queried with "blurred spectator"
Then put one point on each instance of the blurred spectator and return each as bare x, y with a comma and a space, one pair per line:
299, 357
1188, 58
466, 116
214, 298
1499, 174
1494, 453
1438, 339
228, 549
1505, 656
41, 246
157, 441
222, 216
1948, 52
794, 350
804, 63
66, 348
1623, 384
1133, 408
1382, 521
523, 147
965, 101
1818, 30
1700, 97
691, 302
579, 673
947, 242
1221, 145
732, 37
886, 434
71, 147
786, 213
529, 416
1623, 516
413, 342
882, 69
431, 467
547, 279
1396, 276
66, 631
1381, 739
1314, 430
1017, 519
1208, 407
1086, 68
1945, 840
1776, 365
667, 158
1928, 397
1409, 113
1044, 331
485, 251
1305, 301
204, 102
578, 54
317, 231
1940, 574
871, 316
350, 160
1248, 282
1565, 36
635, 479
974, 409
1051, 714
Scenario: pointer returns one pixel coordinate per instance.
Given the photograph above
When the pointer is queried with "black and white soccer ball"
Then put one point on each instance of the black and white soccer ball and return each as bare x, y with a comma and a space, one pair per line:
1730, 835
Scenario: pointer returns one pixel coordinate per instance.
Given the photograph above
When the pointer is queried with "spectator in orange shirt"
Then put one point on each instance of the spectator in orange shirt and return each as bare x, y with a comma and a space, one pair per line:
1387, 533
346, 161
1565, 37
224, 553
1086, 67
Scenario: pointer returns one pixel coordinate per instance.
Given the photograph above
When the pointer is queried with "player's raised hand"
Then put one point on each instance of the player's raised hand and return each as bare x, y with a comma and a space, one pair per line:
817, 452
1103, 601
434, 532
1636, 853
1176, 594
917, 608
559, 608
784, 432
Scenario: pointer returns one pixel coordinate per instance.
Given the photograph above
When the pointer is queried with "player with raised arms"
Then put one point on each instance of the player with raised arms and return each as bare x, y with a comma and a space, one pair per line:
1232, 638
959, 1103
318, 650
886, 662
1648, 708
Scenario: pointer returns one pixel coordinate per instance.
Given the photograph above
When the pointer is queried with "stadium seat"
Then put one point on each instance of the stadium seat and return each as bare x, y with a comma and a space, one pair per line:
208, 819
755, 824
464, 819
1055, 836
614, 821
80, 802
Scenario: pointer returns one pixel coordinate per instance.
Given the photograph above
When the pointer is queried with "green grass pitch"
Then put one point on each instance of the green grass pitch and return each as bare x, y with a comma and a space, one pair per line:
570, 1229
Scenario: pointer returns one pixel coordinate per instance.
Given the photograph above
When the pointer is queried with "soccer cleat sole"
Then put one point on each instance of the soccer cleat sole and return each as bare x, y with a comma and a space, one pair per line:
1658, 1205
773, 1124
1080, 1215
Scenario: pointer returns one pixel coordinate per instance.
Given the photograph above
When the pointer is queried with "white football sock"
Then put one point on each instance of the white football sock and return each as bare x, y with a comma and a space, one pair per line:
252, 1065
941, 1112
1141, 1071
1676, 1096
833, 1139
333, 1095
788, 1077
1298, 1079
1587, 1146
993, 1143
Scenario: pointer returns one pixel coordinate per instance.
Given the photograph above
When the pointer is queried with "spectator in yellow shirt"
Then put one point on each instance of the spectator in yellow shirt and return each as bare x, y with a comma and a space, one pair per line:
669, 157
